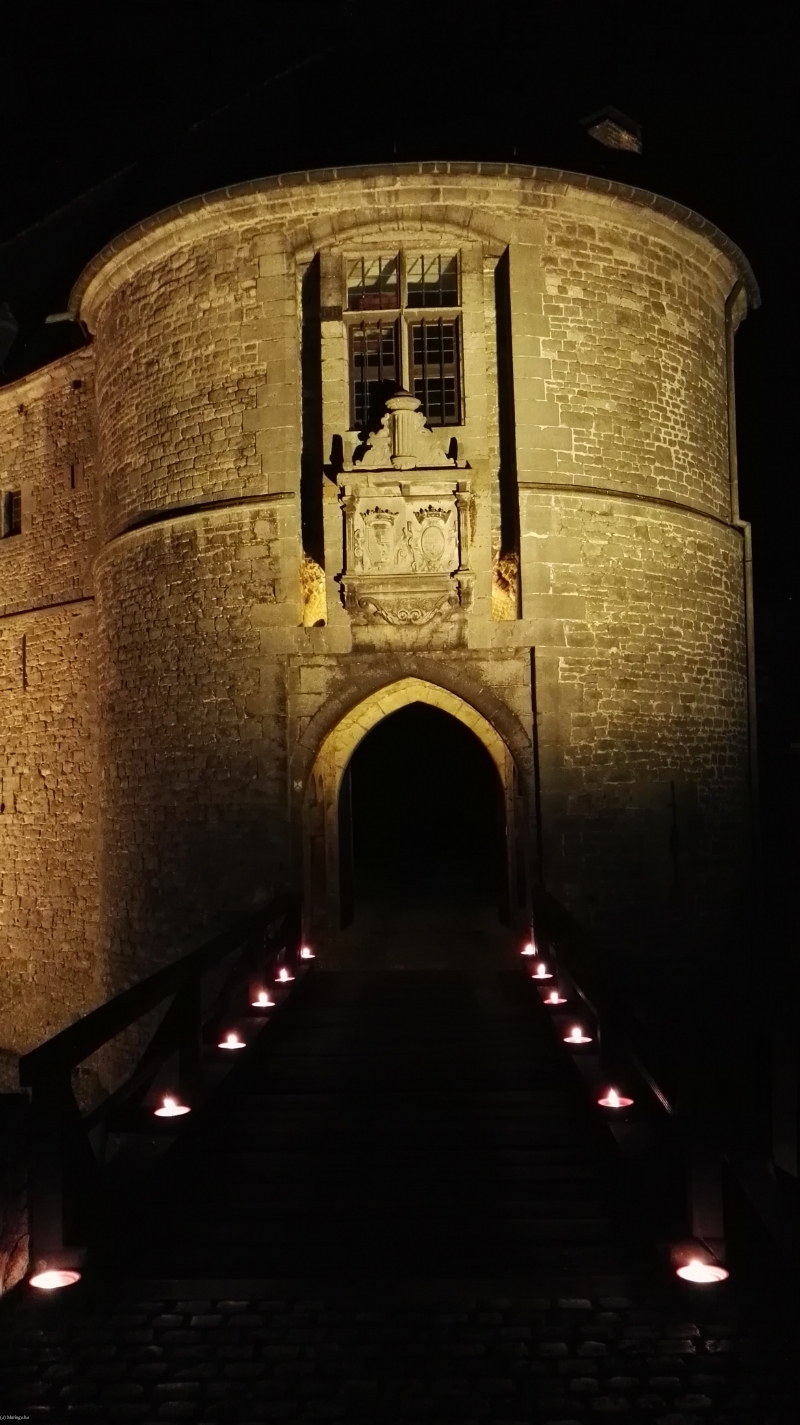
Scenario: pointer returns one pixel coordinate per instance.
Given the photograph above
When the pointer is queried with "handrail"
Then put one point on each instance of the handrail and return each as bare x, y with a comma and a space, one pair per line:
620, 1026
64, 1172
620, 1020
703, 1138
72, 1045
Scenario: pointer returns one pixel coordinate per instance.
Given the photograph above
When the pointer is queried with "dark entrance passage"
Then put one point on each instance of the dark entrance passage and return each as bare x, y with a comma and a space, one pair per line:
422, 835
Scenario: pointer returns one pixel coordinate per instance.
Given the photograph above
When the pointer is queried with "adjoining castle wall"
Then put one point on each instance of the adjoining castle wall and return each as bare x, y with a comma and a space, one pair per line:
48, 716
48, 453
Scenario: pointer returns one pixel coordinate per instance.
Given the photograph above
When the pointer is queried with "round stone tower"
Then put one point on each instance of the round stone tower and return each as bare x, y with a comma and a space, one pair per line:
457, 433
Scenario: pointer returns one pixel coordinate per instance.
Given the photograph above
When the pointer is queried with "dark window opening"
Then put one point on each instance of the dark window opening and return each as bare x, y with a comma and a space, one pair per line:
311, 450
12, 513
373, 371
373, 284
433, 282
435, 371
509, 488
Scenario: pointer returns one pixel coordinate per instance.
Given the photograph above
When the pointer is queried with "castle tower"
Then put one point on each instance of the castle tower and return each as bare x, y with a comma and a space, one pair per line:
460, 434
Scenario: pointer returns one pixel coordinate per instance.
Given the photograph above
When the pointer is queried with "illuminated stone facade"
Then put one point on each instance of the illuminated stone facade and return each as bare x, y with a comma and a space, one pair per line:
558, 499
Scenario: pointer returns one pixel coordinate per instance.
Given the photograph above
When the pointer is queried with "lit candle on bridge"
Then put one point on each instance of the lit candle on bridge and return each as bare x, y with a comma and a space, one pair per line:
577, 1036
53, 1278
263, 1001
555, 998
703, 1273
284, 976
612, 1099
306, 953
542, 972
529, 949
171, 1108
231, 1041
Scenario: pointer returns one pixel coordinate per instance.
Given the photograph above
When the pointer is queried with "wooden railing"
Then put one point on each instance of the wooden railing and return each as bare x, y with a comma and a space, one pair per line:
65, 1176
700, 1135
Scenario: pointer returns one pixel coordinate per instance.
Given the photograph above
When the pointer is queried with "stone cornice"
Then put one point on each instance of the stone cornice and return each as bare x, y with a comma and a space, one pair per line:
605, 492
276, 198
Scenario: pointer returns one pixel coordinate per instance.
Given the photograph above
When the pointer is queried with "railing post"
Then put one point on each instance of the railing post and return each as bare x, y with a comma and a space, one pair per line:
189, 1041
785, 1101
51, 1160
706, 1208
699, 1113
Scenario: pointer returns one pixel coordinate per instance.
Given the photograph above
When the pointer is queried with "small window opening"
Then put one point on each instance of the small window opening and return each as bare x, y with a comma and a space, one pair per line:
433, 281
72, 477
12, 513
373, 284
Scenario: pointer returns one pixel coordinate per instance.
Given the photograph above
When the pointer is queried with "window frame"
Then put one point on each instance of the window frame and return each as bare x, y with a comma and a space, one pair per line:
405, 317
11, 507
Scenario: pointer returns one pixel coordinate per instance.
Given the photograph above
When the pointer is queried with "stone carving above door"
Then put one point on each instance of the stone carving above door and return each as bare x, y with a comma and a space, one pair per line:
406, 526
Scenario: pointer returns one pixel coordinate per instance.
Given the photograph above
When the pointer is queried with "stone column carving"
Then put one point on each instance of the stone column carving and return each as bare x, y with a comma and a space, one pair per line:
463, 501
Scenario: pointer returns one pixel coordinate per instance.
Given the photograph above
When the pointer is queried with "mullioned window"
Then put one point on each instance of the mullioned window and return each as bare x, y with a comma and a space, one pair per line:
403, 320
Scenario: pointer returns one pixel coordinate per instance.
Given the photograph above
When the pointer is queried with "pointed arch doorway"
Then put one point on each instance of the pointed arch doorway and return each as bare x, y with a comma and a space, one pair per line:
420, 809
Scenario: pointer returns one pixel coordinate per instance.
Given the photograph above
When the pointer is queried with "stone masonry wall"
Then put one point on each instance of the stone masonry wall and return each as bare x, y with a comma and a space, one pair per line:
199, 405
192, 724
632, 571
635, 607
641, 686
47, 450
48, 719
182, 391
619, 359
48, 824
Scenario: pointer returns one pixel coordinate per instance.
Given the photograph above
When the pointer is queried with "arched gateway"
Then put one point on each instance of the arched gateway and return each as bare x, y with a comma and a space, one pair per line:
321, 820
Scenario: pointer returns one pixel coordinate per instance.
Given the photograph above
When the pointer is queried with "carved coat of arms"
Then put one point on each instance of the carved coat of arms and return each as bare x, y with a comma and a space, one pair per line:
406, 519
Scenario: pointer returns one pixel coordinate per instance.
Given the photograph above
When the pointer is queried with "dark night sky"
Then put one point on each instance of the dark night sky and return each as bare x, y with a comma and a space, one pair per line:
178, 99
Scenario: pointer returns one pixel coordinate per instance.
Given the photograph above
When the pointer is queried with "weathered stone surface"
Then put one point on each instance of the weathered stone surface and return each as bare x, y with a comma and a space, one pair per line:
160, 560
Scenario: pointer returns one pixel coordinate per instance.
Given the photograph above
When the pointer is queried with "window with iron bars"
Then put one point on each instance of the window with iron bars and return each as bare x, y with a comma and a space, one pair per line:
401, 347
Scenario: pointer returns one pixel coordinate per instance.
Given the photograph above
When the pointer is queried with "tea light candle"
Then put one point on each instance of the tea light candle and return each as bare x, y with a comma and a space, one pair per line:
702, 1273
54, 1278
612, 1099
231, 1041
170, 1108
577, 1036
554, 998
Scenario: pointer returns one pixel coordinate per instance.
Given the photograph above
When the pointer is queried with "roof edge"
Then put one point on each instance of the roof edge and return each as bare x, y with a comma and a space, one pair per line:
639, 197
42, 379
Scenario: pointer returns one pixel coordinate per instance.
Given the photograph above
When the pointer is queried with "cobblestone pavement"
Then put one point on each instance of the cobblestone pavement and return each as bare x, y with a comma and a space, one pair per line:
441, 1355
